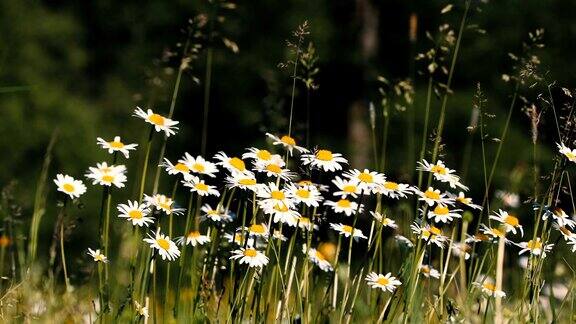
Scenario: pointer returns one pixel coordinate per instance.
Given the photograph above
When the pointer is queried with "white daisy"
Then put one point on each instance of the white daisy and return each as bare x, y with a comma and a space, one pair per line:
258, 155
430, 234
441, 173
367, 181
116, 146
239, 238
98, 257
260, 230
250, 256
70, 186
199, 165
193, 238
466, 201
243, 181
566, 232
427, 271
459, 249
318, 259
488, 288
163, 203
277, 234
220, 214
433, 196
287, 142
384, 282
274, 170
305, 224
385, 221
325, 160
283, 214
346, 187
271, 195
200, 187
560, 216
161, 123
344, 206
233, 164
136, 213
347, 231
570, 154
442, 214
309, 195
394, 190
510, 222
166, 248
535, 247
106, 175
178, 168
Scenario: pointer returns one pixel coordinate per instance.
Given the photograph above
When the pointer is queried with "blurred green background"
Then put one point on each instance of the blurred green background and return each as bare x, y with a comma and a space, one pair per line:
82, 66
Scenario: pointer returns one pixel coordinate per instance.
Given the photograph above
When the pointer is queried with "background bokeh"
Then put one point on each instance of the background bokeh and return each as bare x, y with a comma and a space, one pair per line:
82, 66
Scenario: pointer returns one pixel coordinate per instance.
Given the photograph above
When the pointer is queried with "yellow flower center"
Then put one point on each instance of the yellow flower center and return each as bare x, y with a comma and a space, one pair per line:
366, 177
288, 140
181, 167
281, 208
278, 195
349, 189
165, 205
383, 281
99, 257
304, 220
441, 210
250, 253
430, 194
425, 269
304, 182
198, 167
570, 155
320, 256
247, 182
274, 168
438, 169
264, 155
107, 178
237, 164
347, 229
391, 185
68, 187
303, 193
194, 234
435, 230
511, 220
324, 155
135, 214
156, 119
201, 186
463, 200
489, 286
344, 203
257, 228
532, 245
116, 145
164, 244
497, 232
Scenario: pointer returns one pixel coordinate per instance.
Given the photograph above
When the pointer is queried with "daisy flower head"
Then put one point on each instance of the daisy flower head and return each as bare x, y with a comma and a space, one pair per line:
116, 145
433, 196
284, 215
305, 224
258, 155
324, 160
277, 234
289, 143
568, 153
318, 258
429, 272
560, 216
218, 215
239, 238
163, 203
135, 213
488, 288
346, 187
271, 195
535, 247
243, 181
461, 198
384, 282
97, 255
250, 256
160, 123
348, 231
566, 232
430, 234
259, 230
70, 186
461, 249
165, 247
367, 181
199, 165
394, 190
509, 221
274, 170
178, 168
233, 164
193, 238
200, 187
442, 214
106, 175
308, 195
344, 206
441, 173
385, 221
493, 234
